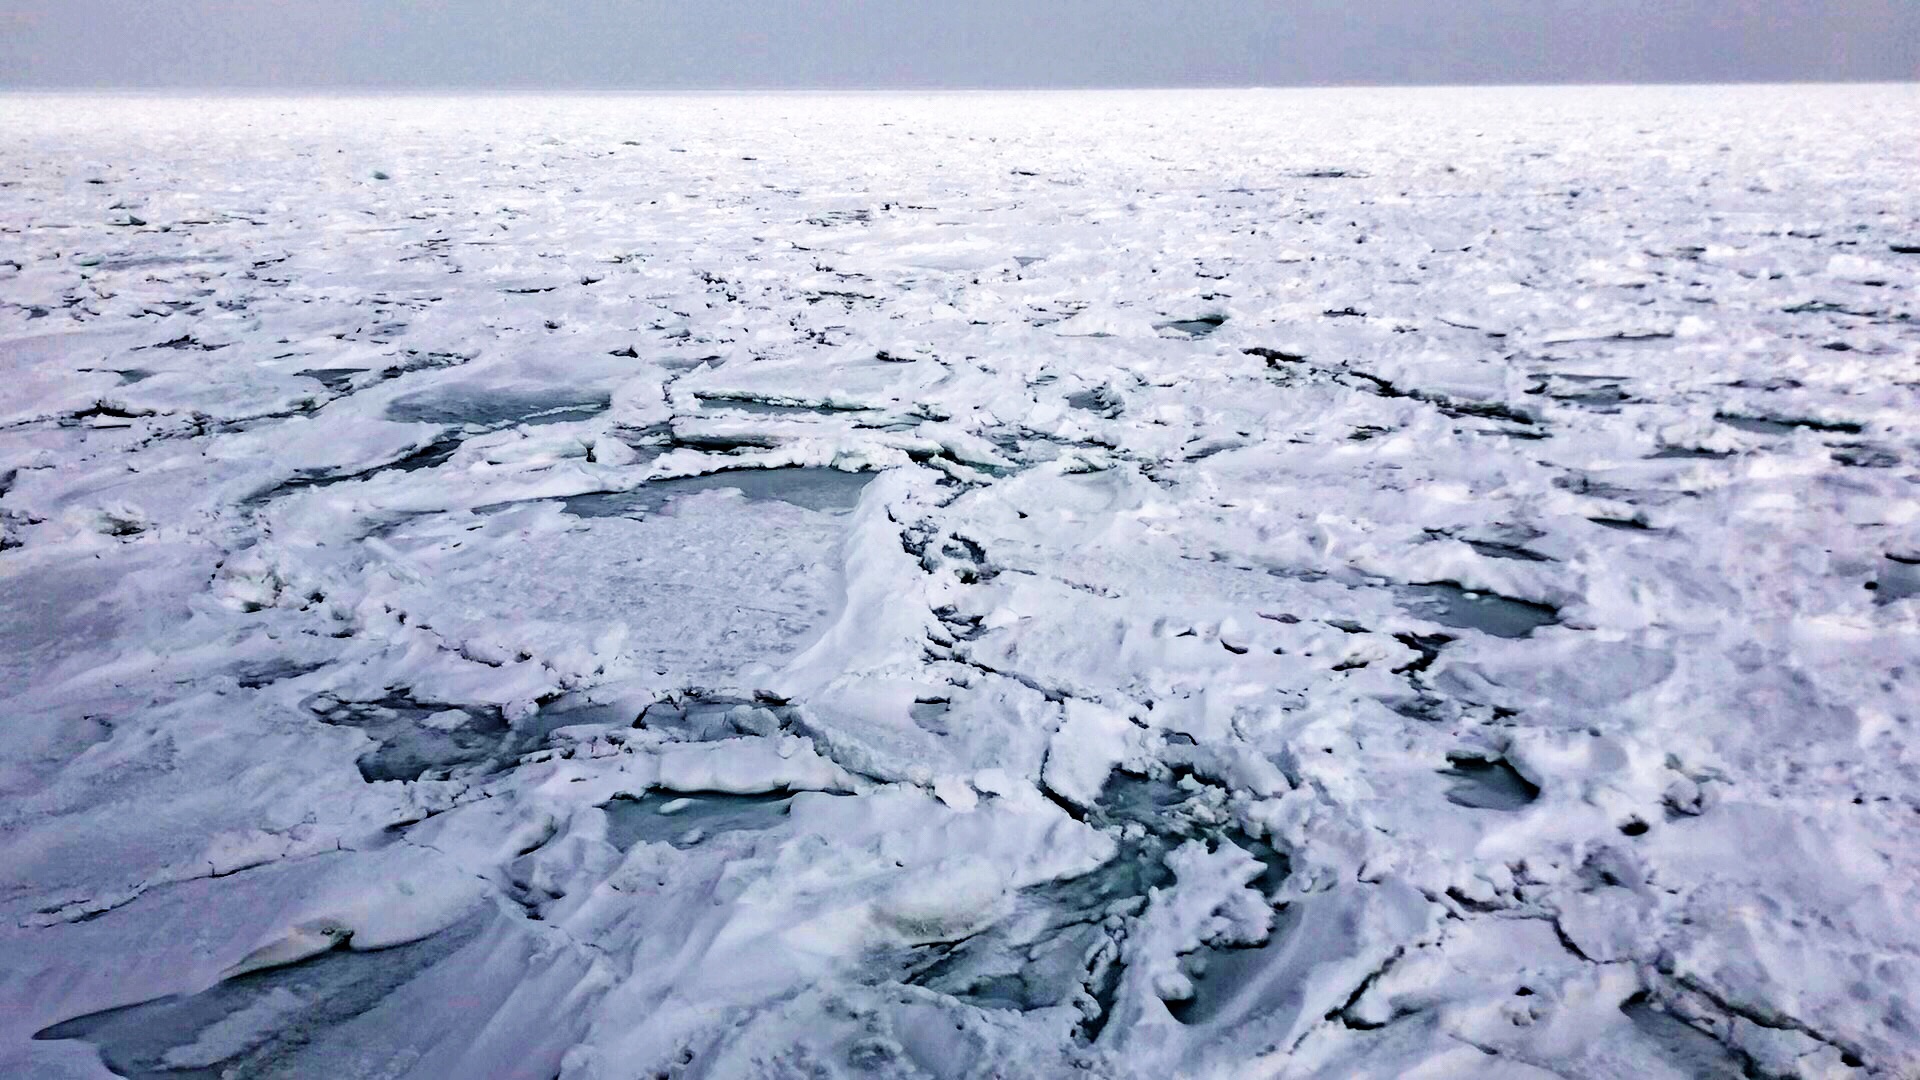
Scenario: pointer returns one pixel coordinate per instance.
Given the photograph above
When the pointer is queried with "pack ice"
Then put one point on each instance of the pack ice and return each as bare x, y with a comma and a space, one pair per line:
1204, 585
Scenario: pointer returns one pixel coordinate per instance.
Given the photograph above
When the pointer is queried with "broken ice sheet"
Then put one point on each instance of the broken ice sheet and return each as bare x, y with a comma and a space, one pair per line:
334, 527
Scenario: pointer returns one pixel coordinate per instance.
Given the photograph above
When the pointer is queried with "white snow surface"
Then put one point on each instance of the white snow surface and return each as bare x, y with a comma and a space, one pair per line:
1414, 583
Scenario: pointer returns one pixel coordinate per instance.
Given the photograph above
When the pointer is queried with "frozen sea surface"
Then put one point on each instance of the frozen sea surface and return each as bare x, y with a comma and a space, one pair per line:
1279, 584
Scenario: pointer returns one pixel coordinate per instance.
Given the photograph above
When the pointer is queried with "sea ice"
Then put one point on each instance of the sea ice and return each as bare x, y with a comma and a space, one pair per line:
1201, 584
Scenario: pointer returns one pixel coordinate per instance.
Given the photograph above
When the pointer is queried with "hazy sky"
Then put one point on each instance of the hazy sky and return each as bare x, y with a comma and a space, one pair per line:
886, 43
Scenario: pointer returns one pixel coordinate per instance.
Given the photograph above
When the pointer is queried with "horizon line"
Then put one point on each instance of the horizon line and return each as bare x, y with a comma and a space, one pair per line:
425, 89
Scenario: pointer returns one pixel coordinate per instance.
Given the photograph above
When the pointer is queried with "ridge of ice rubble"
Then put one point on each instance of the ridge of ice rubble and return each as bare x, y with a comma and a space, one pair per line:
1256, 584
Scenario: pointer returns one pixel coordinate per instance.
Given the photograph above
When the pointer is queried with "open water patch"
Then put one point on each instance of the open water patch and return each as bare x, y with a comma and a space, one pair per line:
422, 740
128, 376
1500, 549
1220, 973
1061, 945
489, 409
1898, 580
1196, 327
1693, 1052
255, 1025
685, 821
1102, 400
710, 719
1488, 784
1688, 453
1448, 604
770, 407
1781, 426
336, 379
813, 488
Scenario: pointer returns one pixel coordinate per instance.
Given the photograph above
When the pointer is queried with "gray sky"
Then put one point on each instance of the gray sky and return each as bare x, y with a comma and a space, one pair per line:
912, 43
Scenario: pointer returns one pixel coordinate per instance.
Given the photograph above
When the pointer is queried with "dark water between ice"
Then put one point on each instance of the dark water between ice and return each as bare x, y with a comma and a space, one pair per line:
822, 489
1501, 616
496, 408
1057, 948
1200, 327
294, 1005
1489, 785
687, 820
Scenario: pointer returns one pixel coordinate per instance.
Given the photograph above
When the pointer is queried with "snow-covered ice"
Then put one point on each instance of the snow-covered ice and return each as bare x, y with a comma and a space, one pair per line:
1203, 584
